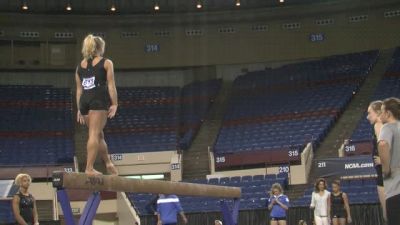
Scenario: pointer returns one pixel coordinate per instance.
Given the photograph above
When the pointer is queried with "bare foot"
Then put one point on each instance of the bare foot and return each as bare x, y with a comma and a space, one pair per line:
111, 169
92, 172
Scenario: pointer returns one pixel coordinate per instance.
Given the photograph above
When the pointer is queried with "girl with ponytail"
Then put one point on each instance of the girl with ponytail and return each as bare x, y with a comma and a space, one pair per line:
96, 98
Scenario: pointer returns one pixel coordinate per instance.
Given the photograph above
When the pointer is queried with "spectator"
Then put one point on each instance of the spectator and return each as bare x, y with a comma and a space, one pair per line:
340, 209
168, 207
319, 202
374, 111
278, 204
151, 207
389, 153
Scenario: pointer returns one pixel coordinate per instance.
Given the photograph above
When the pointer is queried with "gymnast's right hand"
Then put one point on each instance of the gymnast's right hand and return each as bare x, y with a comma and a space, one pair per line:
112, 111
80, 118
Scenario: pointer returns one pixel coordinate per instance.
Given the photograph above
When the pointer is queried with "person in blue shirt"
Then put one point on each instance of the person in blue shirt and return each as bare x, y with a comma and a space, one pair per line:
278, 204
168, 207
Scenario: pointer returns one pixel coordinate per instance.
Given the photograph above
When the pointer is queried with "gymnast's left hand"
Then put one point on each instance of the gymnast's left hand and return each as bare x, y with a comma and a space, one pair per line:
112, 111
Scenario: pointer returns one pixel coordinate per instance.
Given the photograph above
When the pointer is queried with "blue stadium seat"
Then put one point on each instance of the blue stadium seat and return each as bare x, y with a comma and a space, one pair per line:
36, 125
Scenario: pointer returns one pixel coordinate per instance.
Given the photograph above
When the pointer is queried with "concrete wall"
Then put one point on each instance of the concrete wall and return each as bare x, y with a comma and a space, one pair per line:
123, 79
141, 78
42, 191
298, 173
243, 46
105, 207
149, 163
126, 214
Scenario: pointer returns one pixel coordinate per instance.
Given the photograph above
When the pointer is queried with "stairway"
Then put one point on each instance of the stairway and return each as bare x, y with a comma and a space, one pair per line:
348, 121
196, 158
45, 209
296, 191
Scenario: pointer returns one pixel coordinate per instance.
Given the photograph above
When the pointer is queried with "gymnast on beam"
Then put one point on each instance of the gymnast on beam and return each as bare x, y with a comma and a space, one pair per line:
95, 87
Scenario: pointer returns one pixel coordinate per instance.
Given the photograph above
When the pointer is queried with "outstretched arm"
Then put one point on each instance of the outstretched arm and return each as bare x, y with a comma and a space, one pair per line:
159, 222
35, 213
17, 215
347, 207
384, 142
79, 89
384, 155
112, 90
312, 205
185, 221
329, 206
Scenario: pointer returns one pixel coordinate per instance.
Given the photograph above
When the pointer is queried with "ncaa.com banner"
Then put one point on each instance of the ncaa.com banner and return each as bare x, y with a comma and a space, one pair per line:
346, 166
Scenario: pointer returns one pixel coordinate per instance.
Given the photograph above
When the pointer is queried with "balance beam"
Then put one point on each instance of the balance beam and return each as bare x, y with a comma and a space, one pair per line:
122, 184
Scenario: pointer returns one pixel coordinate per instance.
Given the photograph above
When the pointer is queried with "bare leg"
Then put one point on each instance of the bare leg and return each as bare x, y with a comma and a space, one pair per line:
96, 121
282, 222
335, 221
103, 150
342, 221
382, 200
274, 222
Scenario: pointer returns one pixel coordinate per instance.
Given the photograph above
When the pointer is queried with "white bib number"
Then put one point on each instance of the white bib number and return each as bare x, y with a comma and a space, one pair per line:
88, 83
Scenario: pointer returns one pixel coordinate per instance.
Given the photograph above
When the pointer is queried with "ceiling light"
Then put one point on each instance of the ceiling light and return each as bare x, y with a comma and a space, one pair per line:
24, 6
113, 9
156, 7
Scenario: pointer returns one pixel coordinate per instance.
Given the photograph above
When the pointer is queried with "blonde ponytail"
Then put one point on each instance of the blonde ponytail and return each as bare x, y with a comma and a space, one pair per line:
92, 45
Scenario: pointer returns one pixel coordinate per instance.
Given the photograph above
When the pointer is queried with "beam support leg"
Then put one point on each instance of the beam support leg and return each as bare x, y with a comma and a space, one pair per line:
230, 217
66, 207
89, 212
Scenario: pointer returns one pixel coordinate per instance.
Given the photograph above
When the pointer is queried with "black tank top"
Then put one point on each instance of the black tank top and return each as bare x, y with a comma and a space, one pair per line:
93, 77
26, 207
337, 202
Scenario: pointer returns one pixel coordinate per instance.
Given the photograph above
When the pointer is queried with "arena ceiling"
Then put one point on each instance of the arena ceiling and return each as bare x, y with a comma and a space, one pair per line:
99, 7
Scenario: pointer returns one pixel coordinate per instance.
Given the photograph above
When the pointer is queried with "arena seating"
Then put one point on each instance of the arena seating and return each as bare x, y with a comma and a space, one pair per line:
389, 86
36, 125
254, 193
6, 215
147, 120
150, 118
359, 191
196, 100
7, 190
284, 108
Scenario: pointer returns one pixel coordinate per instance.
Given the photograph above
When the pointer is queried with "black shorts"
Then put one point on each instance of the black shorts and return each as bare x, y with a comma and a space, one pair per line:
338, 213
278, 218
27, 222
379, 178
393, 210
94, 100
339, 216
